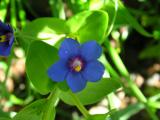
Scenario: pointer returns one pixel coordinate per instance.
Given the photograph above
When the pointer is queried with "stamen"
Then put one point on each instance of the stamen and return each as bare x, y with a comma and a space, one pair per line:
3, 38
76, 64
77, 68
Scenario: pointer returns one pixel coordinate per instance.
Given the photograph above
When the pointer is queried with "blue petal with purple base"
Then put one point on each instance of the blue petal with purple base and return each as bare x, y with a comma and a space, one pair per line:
91, 50
69, 48
5, 49
93, 71
58, 71
5, 28
78, 64
76, 82
6, 39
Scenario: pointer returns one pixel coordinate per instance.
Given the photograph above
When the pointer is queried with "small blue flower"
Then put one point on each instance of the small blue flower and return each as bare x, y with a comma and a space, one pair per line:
78, 64
6, 39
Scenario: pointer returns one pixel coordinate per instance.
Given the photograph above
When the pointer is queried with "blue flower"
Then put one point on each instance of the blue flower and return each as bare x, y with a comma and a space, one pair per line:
6, 39
78, 64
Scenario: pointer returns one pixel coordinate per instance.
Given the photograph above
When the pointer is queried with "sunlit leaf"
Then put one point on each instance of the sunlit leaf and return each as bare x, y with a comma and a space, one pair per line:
36, 111
50, 29
40, 57
89, 25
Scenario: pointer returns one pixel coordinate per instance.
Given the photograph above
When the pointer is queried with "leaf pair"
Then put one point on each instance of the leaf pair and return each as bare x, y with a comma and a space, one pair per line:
88, 25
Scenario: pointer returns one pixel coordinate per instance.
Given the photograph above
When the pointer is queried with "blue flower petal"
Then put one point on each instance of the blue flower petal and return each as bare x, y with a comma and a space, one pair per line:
76, 82
5, 49
91, 50
4, 28
58, 71
69, 48
93, 71
11, 39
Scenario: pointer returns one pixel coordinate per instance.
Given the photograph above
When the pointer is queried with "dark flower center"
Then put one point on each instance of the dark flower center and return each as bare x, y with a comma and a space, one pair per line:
76, 64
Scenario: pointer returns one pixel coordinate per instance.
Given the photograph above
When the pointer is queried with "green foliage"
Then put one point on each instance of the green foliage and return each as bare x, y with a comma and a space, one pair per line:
4, 114
92, 94
151, 52
43, 29
124, 17
84, 28
2, 118
40, 57
53, 30
41, 39
3, 9
78, 5
43, 55
126, 113
36, 111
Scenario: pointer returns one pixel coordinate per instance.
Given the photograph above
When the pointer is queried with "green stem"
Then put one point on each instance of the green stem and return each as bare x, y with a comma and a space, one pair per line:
155, 97
79, 105
151, 113
155, 104
108, 67
116, 59
123, 71
137, 92
57, 8
53, 100
21, 13
111, 98
13, 13
114, 74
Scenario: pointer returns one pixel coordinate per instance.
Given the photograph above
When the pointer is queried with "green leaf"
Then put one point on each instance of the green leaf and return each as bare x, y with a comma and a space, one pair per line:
151, 51
63, 85
156, 33
4, 114
124, 17
155, 97
43, 29
40, 57
131, 20
111, 8
126, 113
36, 111
89, 25
93, 91
2, 118
77, 21
154, 104
78, 5
3, 9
